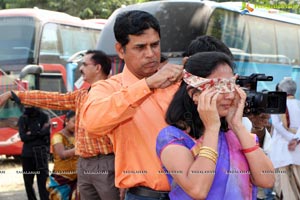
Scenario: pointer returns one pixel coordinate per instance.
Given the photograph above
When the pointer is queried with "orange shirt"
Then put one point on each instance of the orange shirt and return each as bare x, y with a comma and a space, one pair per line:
85, 145
132, 115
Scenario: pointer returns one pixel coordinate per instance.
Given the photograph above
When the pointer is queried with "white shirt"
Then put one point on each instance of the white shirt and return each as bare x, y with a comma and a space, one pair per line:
279, 153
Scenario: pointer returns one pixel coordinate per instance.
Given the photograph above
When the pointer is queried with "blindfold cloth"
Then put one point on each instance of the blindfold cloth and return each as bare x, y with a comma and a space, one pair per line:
222, 85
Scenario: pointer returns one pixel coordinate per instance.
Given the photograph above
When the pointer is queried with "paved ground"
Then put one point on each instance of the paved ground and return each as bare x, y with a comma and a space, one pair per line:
11, 182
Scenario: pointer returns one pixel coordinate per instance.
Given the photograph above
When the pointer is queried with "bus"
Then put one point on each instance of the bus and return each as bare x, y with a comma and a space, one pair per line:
37, 50
264, 41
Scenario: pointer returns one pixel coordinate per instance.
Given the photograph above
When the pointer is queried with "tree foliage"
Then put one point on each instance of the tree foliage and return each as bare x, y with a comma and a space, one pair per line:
85, 9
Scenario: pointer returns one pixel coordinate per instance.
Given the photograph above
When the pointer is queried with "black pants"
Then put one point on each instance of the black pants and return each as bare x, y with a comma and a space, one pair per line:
31, 167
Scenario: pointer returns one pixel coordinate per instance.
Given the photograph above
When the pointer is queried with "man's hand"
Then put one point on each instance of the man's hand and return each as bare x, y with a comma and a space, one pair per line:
166, 76
292, 145
4, 97
259, 121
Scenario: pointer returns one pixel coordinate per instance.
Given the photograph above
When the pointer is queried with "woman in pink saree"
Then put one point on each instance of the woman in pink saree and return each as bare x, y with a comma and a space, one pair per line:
206, 152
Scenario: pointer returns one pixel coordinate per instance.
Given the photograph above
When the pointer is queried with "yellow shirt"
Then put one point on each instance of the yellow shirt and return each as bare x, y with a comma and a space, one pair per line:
132, 115
68, 166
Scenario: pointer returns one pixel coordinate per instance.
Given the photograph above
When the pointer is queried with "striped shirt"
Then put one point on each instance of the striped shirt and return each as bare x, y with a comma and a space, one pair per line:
85, 144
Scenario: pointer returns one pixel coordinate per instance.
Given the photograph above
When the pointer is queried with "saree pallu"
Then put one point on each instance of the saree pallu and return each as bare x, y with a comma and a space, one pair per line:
232, 174
62, 188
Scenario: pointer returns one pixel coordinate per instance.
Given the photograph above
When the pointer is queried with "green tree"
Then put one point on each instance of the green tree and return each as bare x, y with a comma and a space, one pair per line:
87, 9
84, 9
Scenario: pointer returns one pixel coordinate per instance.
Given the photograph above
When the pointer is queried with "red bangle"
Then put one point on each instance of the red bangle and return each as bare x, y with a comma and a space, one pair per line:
248, 150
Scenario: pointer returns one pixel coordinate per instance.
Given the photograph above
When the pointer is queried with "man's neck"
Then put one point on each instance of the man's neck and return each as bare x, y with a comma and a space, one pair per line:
100, 77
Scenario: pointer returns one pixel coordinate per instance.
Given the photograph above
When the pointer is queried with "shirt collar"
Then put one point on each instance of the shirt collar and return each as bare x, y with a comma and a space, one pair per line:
128, 78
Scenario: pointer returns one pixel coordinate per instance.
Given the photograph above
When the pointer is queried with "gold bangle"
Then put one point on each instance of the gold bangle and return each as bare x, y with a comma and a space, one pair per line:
212, 158
208, 149
208, 153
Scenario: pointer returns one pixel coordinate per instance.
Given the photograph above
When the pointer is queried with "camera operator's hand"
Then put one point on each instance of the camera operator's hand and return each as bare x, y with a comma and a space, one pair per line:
235, 114
259, 121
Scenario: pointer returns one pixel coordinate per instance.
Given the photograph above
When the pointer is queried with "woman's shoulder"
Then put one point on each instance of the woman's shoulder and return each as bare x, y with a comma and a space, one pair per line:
171, 135
171, 132
57, 138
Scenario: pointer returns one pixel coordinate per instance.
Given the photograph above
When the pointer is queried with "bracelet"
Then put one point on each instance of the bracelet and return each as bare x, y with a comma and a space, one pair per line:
208, 149
209, 153
248, 150
212, 158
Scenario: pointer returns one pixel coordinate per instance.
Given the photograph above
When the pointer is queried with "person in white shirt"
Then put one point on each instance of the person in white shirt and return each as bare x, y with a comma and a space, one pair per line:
285, 151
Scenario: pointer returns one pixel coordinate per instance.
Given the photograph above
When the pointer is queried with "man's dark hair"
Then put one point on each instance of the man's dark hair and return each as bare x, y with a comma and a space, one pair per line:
207, 43
182, 112
133, 22
99, 57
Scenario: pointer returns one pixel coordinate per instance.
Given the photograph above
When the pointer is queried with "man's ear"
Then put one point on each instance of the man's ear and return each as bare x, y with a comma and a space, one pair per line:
99, 66
119, 50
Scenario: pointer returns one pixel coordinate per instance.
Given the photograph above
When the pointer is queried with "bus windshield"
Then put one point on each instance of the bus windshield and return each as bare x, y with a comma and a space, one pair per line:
17, 39
264, 40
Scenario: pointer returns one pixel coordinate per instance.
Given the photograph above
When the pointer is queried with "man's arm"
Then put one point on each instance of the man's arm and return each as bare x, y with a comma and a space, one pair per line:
106, 108
43, 99
276, 122
24, 133
45, 129
4, 98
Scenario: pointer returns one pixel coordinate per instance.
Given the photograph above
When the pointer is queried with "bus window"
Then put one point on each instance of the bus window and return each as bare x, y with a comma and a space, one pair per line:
49, 43
262, 33
76, 39
287, 44
17, 39
231, 28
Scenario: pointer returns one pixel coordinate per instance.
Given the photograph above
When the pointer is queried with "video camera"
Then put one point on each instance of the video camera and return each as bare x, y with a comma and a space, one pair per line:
261, 102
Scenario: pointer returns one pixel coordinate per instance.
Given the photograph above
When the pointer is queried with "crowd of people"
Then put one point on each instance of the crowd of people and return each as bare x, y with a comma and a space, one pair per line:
159, 130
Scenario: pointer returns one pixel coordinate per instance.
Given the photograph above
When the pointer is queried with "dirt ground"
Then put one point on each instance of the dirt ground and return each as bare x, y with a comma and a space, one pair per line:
11, 182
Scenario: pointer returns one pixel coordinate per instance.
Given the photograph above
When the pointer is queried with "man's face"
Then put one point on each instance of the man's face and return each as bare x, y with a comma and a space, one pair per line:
88, 69
142, 53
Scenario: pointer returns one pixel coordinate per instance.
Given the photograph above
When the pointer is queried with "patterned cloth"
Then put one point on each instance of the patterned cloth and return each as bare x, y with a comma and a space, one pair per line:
232, 178
62, 188
86, 146
221, 84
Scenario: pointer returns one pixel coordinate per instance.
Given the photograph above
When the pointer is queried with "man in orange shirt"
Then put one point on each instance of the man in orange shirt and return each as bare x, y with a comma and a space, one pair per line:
96, 159
130, 107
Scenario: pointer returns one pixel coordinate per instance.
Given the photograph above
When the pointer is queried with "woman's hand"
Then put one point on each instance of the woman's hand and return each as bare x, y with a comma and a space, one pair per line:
207, 109
235, 114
